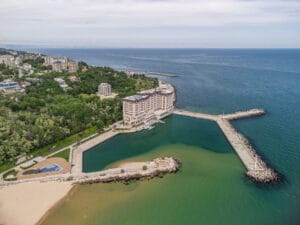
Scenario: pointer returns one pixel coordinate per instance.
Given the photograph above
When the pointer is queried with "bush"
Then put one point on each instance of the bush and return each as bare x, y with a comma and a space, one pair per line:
145, 167
27, 167
11, 172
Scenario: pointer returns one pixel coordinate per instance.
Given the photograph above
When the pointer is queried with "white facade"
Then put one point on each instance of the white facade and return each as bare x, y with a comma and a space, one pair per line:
61, 82
148, 105
8, 60
9, 85
61, 64
104, 89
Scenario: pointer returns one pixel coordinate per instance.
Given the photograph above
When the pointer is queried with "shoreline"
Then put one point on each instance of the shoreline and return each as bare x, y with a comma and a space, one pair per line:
43, 196
44, 216
18, 202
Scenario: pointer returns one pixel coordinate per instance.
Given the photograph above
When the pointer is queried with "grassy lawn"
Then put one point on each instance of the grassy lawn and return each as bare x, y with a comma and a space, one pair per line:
55, 146
64, 154
6, 166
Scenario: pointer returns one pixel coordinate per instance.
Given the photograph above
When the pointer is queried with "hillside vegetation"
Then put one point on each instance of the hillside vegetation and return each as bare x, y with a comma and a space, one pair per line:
45, 113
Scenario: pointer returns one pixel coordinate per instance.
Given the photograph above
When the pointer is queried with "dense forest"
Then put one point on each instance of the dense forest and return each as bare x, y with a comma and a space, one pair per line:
45, 113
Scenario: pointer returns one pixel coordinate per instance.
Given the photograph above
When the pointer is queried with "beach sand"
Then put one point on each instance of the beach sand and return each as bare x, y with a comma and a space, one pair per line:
26, 203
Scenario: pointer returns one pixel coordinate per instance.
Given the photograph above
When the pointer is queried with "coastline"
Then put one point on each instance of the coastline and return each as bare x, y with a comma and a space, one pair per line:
18, 202
124, 172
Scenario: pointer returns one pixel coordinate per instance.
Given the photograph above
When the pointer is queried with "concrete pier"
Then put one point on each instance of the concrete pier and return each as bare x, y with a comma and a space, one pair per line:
244, 114
160, 74
195, 114
257, 169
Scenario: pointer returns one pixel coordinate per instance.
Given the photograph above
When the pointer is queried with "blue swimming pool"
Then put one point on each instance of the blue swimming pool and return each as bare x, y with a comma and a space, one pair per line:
50, 168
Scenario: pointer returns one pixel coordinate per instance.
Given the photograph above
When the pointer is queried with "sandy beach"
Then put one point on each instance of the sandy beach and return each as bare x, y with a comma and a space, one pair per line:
26, 203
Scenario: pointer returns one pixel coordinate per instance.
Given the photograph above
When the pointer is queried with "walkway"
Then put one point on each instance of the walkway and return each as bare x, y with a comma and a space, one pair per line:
77, 153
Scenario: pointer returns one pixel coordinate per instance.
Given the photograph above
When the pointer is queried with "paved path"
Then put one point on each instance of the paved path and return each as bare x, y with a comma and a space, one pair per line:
195, 114
77, 153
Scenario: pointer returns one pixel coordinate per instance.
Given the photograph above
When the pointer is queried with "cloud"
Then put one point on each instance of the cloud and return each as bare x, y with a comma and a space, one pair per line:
61, 20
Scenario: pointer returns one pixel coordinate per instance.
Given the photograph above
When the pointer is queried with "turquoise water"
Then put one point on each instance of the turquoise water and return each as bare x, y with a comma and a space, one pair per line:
216, 81
176, 130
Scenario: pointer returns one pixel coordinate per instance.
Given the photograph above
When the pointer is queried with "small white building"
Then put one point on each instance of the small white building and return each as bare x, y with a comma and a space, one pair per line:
104, 89
61, 82
9, 85
27, 67
57, 66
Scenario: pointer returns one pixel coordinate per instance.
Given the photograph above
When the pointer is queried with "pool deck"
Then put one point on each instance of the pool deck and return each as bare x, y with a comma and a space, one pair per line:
62, 163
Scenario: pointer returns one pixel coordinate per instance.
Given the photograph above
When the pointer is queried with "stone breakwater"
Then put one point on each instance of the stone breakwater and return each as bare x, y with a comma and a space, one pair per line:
257, 169
131, 171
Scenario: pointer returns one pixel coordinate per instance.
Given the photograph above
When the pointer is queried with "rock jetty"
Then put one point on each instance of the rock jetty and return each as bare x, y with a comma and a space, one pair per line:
257, 169
131, 171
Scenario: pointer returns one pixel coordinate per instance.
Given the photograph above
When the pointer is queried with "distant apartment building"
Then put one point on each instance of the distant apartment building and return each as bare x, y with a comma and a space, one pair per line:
9, 85
29, 55
19, 60
8, 60
72, 66
148, 105
104, 89
27, 66
60, 64
57, 66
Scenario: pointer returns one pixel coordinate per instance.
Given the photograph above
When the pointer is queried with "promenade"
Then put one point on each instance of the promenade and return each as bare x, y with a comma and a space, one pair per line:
77, 153
257, 169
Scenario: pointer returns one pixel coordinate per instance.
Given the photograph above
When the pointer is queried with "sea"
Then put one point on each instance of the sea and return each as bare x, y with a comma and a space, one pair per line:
211, 187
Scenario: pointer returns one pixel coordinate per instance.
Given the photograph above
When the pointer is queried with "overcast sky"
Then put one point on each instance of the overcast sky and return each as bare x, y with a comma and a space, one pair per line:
151, 23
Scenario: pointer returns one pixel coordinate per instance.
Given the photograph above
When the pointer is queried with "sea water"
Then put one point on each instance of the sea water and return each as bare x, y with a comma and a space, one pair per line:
211, 187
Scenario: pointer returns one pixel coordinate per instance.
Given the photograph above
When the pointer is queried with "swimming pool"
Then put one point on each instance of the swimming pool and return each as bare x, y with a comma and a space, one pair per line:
46, 169
50, 168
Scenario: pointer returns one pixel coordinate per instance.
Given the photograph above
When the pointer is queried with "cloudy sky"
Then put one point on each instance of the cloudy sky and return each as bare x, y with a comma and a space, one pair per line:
151, 23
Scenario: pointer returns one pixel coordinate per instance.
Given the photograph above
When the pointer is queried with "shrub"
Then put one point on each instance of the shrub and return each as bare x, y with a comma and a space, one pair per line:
10, 172
145, 167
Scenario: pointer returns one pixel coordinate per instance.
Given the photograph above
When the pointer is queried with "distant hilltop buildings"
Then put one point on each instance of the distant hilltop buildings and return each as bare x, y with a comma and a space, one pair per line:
15, 59
149, 105
60, 64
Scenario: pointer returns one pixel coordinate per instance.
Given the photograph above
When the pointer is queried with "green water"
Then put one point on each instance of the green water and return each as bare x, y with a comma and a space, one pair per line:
210, 188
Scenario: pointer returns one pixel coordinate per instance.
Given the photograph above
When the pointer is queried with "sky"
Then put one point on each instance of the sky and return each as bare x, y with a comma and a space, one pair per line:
151, 23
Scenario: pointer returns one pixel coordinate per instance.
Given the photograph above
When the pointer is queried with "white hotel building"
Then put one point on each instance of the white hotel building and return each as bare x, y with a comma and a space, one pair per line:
148, 105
